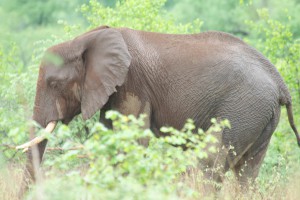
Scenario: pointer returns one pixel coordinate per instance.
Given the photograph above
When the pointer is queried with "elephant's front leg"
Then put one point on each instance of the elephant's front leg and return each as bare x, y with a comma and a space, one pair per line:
131, 104
106, 122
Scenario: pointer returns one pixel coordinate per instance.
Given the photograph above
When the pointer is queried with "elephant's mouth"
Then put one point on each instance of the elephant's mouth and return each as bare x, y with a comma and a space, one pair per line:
51, 124
49, 128
66, 120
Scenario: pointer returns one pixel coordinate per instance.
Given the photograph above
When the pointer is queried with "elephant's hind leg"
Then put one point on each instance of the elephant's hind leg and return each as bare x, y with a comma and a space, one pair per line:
247, 168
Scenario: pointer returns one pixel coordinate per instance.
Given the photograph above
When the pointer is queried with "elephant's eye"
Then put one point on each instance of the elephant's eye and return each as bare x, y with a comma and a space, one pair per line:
53, 83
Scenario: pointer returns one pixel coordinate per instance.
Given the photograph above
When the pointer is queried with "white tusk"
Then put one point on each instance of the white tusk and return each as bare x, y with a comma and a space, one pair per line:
50, 127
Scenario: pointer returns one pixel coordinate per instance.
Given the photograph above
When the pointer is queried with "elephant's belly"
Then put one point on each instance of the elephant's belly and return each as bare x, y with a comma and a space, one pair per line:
177, 116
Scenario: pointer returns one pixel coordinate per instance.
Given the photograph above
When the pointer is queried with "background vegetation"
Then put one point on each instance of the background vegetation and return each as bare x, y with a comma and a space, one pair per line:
97, 170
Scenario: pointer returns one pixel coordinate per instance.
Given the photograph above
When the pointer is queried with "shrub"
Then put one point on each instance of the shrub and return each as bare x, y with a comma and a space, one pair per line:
112, 165
147, 15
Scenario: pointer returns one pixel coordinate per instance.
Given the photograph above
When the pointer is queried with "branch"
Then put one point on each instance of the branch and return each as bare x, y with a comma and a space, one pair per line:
64, 149
8, 146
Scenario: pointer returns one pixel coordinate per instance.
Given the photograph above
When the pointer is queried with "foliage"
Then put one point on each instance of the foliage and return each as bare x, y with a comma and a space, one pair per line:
145, 15
216, 19
12, 99
279, 45
118, 167
41, 12
229, 16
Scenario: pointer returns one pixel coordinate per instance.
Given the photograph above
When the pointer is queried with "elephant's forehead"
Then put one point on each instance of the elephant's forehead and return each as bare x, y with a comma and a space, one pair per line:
53, 58
49, 70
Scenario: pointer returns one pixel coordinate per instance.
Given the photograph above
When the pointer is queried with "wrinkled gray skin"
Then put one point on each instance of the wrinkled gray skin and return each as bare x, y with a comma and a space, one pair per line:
170, 78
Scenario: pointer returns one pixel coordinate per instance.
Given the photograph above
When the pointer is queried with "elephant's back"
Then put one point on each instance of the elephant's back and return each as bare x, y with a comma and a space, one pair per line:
193, 76
233, 84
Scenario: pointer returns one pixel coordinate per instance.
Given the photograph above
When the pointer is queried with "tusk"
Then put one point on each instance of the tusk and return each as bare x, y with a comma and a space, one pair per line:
50, 127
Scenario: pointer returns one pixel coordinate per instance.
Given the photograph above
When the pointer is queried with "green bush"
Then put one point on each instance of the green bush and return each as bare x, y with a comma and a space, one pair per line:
147, 15
112, 165
279, 45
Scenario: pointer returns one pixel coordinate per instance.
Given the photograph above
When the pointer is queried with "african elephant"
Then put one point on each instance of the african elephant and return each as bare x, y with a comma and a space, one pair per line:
170, 78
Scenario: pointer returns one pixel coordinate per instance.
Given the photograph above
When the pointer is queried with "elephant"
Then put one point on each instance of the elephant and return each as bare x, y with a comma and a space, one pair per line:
170, 78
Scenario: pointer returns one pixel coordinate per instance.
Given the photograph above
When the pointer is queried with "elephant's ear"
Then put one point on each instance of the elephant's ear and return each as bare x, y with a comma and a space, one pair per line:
106, 60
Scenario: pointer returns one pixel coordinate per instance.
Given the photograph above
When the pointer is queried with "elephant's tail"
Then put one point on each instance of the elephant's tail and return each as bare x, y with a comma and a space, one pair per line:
291, 121
286, 99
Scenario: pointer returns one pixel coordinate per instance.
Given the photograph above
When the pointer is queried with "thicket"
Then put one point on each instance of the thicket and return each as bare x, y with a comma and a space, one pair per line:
97, 169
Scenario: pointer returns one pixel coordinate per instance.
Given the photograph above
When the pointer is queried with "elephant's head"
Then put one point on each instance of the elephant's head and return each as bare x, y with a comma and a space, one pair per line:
80, 75
76, 76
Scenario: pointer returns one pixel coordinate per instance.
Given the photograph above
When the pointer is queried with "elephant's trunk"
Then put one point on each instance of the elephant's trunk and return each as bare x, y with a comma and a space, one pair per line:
36, 148
49, 128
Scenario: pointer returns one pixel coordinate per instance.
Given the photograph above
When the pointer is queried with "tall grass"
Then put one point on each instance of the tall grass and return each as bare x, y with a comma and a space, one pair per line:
11, 177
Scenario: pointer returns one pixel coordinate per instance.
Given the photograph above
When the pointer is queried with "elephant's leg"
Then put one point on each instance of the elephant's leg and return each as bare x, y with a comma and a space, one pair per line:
106, 122
247, 169
134, 105
248, 166
213, 167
